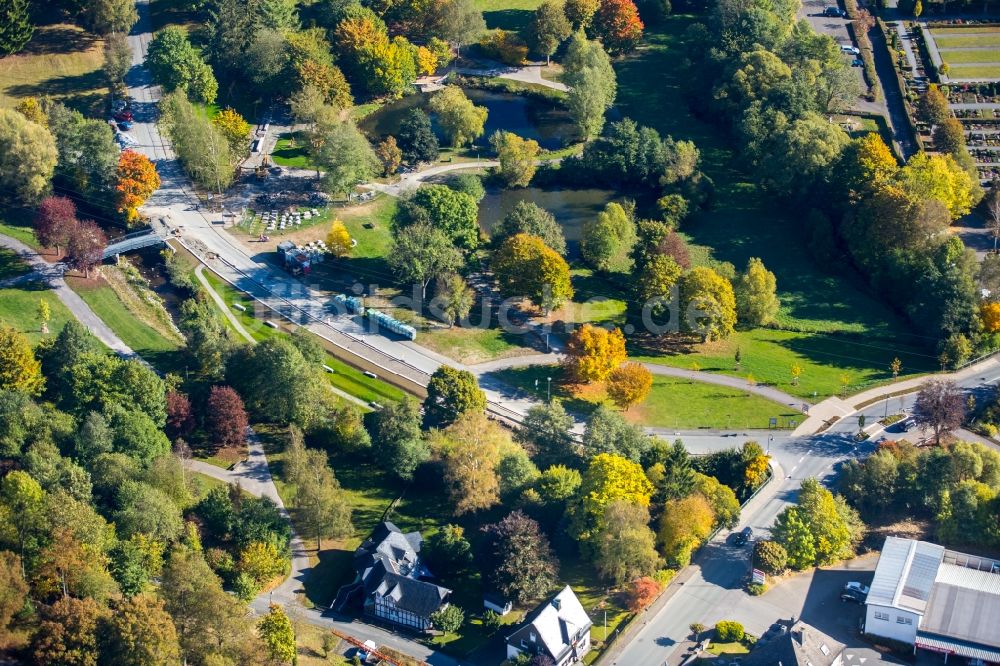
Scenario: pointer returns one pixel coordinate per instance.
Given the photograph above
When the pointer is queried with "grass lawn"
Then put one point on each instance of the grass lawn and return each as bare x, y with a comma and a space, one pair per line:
345, 377
291, 151
985, 72
173, 12
61, 61
473, 345
745, 223
19, 228
957, 41
19, 308
166, 354
12, 265
728, 649
769, 355
968, 31
672, 403
953, 57
507, 14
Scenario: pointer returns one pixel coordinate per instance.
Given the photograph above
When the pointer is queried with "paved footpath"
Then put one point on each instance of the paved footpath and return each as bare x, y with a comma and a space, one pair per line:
52, 274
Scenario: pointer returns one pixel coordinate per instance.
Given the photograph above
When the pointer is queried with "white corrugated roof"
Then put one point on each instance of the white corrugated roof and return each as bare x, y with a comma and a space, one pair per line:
984, 581
905, 574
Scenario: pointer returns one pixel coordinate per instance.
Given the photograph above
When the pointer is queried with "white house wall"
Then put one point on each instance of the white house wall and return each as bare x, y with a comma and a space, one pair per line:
889, 622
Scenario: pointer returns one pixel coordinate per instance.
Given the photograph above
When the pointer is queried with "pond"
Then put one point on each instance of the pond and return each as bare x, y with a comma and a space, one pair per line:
571, 208
529, 117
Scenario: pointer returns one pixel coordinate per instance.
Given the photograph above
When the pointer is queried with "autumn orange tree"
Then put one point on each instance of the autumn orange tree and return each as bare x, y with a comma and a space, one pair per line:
990, 314
137, 180
641, 593
593, 352
629, 384
618, 25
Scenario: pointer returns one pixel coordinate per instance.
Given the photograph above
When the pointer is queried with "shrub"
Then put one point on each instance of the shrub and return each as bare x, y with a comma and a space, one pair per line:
770, 557
505, 46
245, 587
664, 576
641, 593
492, 622
756, 589
729, 631
987, 430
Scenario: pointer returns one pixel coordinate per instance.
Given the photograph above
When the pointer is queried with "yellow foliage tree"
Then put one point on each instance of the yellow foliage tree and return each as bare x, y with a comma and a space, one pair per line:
516, 156
19, 369
427, 61
990, 314
471, 448
629, 384
30, 108
338, 240
593, 352
608, 478
708, 304
755, 471
236, 130
261, 561
940, 177
526, 267
684, 525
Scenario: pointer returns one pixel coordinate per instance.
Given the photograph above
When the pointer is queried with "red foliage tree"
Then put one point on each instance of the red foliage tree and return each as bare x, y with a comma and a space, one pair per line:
55, 223
180, 421
618, 25
137, 180
641, 593
674, 246
227, 417
86, 247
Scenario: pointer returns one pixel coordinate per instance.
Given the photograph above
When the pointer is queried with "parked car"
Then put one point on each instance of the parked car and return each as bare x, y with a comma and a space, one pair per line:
124, 125
855, 592
857, 63
853, 50
124, 114
836, 12
744, 537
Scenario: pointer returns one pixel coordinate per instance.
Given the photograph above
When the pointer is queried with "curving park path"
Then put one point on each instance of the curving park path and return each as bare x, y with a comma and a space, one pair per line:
52, 275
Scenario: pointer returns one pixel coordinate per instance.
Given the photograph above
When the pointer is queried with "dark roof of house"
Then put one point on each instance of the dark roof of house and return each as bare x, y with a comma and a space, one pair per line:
388, 564
800, 645
415, 596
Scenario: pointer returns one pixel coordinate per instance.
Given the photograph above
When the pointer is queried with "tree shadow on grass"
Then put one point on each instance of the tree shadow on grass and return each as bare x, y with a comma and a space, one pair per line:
333, 570
58, 39
508, 19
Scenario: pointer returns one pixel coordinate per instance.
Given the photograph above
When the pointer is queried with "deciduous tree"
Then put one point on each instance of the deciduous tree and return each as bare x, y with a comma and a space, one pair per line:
421, 253
27, 156
607, 431
396, 440
608, 239
472, 448
236, 131
107, 16
684, 526
770, 557
618, 25
455, 213
142, 633
581, 12
177, 65
607, 478
344, 155
55, 222
320, 503
708, 305
517, 157
226, 418
593, 352
940, 406
86, 248
545, 432
117, 58
592, 84
517, 559
19, 369
137, 180
642, 592
548, 29
276, 631
13, 591
389, 154
756, 301
449, 619
629, 384
625, 548
460, 120
527, 217
338, 240
527, 268
68, 633
454, 299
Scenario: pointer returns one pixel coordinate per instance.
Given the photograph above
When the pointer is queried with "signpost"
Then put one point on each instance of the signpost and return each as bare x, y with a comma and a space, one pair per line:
757, 576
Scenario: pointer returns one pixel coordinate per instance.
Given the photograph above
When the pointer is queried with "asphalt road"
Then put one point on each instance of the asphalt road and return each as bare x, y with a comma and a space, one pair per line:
715, 586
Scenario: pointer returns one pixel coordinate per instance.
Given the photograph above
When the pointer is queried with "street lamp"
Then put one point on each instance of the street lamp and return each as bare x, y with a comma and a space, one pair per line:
770, 438
548, 390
